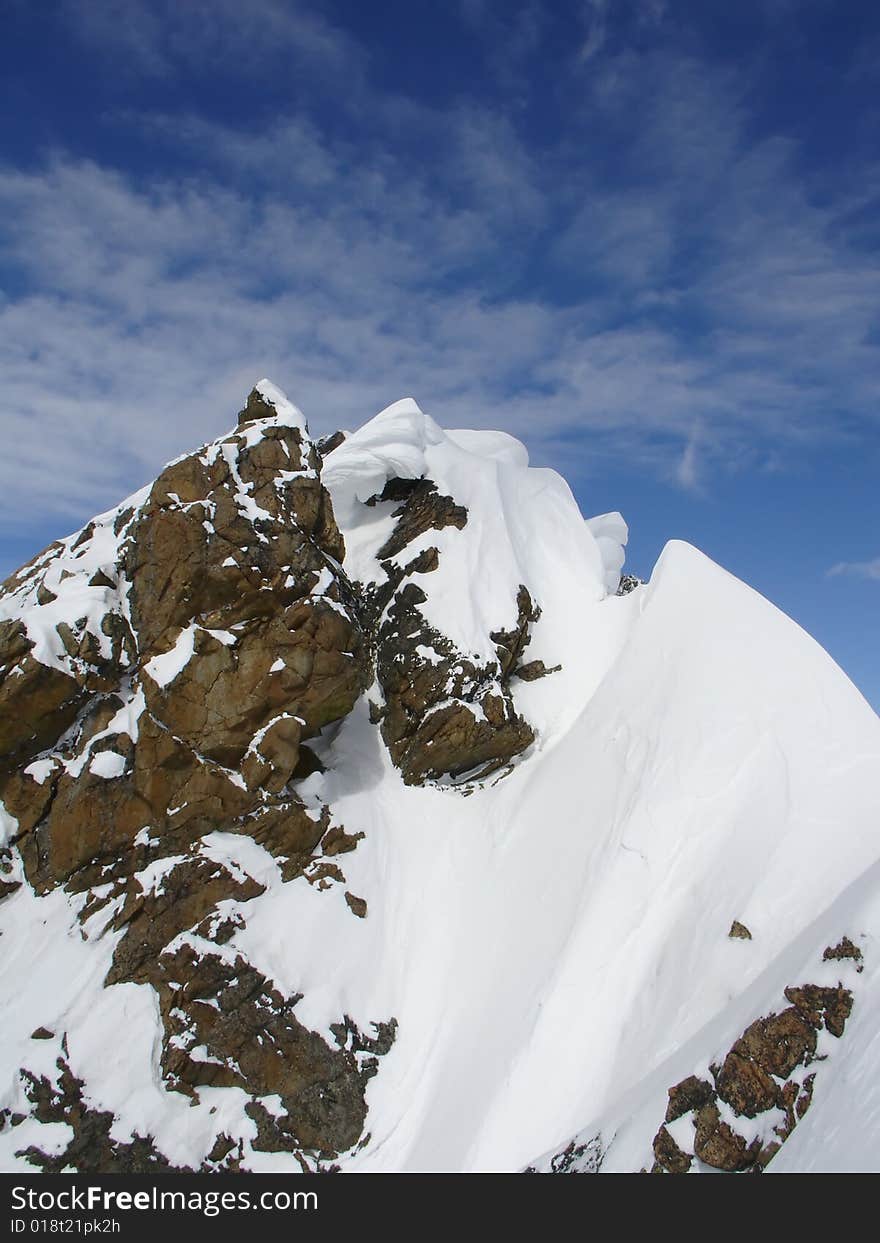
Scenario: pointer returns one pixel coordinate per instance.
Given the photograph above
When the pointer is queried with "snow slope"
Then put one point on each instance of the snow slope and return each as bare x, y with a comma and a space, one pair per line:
547, 940
554, 944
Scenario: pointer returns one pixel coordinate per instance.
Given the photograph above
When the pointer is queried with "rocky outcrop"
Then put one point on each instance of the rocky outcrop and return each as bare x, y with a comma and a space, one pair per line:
8, 882
160, 675
575, 1158
37, 702
628, 583
227, 1026
423, 509
91, 1148
214, 639
444, 715
735, 1115
736, 1119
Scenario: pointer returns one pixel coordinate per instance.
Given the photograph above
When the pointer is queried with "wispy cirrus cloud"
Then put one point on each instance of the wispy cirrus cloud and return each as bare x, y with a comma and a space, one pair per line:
857, 569
676, 296
162, 38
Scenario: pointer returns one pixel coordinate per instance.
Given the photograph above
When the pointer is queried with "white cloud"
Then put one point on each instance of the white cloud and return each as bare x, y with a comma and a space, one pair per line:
600, 312
857, 569
595, 21
688, 471
158, 38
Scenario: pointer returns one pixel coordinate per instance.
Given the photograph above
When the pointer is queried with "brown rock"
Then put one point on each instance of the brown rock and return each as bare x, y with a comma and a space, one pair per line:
423, 509
815, 1003
843, 950
100, 579
278, 653
453, 741
692, 1093
442, 715
184, 897
806, 1097
778, 1043
92, 818
255, 1042
328, 443
357, 906
8, 887
743, 1084
767, 1153
718, 1145
534, 670
323, 875
739, 931
668, 1155
510, 644
337, 842
26, 799
37, 704
288, 832
91, 1149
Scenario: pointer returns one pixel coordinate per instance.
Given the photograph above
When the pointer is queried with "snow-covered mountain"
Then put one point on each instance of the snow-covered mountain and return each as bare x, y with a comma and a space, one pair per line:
353, 817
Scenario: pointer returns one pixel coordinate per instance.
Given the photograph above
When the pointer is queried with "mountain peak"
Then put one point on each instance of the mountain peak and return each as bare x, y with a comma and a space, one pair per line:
267, 402
327, 773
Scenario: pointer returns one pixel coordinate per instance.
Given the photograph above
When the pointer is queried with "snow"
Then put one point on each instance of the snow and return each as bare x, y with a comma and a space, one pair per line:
107, 764
8, 826
247, 506
286, 412
165, 668
611, 534
66, 573
554, 945
151, 878
226, 637
40, 770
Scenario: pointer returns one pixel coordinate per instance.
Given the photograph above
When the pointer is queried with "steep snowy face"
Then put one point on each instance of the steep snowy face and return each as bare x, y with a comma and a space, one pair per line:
337, 777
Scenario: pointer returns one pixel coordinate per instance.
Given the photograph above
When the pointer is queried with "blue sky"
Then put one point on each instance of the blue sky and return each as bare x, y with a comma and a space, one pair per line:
641, 235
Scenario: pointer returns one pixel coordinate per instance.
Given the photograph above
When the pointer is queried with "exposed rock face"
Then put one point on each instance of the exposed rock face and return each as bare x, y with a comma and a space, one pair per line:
735, 1116
36, 701
842, 951
91, 1150
764, 1078
423, 509
443, 715
692, 1093
159, 674
226, 1026
214, 638
628, 583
